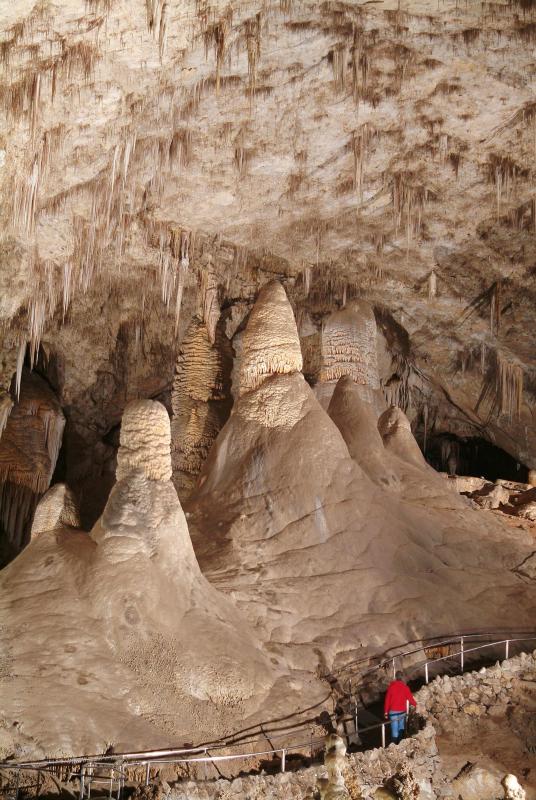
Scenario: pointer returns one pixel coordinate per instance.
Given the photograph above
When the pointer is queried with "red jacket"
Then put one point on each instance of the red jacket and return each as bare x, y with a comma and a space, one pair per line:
396, 696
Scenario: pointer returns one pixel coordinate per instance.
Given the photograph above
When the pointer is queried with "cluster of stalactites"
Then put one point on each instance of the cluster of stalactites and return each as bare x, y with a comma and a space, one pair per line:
200, 399
270, 344
509, 387
348, 345
145, 441
29, 449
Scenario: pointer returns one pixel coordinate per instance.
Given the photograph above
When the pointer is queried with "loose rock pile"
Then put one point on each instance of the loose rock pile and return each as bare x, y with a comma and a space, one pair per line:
474, 694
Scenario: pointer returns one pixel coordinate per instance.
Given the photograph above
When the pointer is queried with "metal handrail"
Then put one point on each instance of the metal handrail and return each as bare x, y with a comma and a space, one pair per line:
119, 762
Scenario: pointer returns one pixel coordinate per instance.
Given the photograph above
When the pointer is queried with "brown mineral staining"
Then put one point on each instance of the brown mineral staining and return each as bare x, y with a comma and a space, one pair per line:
270, 344
200, 401
145, 441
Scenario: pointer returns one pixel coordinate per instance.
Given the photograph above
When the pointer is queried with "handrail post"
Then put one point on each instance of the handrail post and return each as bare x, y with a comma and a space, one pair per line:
383, 734
426, 672
283, 760
89, 774
461, 653
17, 784
507, 649
394, 669
82, 771
147, 775
356, 721
111, 783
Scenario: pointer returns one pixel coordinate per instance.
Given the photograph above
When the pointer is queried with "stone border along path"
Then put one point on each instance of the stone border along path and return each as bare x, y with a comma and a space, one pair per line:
89, 769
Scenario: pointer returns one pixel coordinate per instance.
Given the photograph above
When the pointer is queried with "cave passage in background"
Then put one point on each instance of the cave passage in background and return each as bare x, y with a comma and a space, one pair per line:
473, 456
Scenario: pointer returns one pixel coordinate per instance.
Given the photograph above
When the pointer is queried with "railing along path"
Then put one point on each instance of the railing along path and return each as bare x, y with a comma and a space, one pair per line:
87, 769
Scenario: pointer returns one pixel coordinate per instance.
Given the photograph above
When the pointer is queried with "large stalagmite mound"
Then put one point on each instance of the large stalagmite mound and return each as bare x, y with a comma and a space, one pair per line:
120, 627
320, 556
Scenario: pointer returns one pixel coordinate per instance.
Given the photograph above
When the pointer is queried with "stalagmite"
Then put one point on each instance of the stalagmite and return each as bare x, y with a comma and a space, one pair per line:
56, 509
348, 347
270, 343
200, 400
395, 430
432, 285
145, 441
512, 788
334, 787
354, 413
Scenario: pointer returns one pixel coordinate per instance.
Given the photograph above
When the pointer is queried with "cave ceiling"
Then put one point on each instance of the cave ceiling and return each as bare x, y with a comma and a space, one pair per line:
160, 159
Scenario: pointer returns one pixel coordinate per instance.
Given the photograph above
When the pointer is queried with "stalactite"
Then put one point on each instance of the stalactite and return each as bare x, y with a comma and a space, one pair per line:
20, 363
157, 22
216, 36
253, 44
348, 345
211, 307
509, 387
200, 401
360, 143
29, 450
339, 60
432, 285
495, 307
409, 198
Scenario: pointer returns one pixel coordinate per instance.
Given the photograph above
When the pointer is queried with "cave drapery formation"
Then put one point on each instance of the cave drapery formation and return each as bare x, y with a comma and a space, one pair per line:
276, 259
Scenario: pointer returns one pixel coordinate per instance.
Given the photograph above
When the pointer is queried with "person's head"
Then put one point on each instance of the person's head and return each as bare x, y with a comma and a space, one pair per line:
399, 675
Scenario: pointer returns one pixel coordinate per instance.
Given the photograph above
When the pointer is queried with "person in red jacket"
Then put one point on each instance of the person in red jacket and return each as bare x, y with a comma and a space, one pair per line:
395, 706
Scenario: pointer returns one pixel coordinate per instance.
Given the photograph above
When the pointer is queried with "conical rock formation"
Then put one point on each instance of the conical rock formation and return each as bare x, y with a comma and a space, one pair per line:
326, 560
145, 648
271, 344
56, 509
356, 419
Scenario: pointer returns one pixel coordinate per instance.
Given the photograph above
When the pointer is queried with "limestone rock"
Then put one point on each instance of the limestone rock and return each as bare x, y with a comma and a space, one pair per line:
29, 448
357, 420
348, 347
145, 441
512, 788
200, 401
270, 344
395, 430
56, 509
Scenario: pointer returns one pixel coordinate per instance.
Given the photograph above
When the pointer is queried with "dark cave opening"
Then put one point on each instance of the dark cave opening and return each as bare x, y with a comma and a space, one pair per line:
475, 456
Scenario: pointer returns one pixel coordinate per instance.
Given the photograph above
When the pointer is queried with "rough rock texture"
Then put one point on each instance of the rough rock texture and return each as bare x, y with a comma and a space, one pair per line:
348, 347
200, 401
270, 345
376, 150
280, 498
356, 418
364, 773
56, 509
145, 441
119, 652
29, 449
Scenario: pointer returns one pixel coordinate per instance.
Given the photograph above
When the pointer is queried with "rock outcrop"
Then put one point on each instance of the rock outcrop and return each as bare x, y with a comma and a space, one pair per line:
280, 498
200, 400
29, 448
270, 345
56, 509
144, 649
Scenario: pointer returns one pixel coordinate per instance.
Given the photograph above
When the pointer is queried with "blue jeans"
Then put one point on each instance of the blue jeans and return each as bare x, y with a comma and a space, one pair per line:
398, 723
